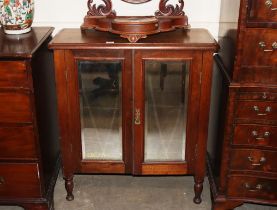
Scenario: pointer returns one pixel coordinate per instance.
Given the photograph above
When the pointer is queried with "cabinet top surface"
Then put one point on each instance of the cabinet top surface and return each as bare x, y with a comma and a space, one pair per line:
23, 45
92, 39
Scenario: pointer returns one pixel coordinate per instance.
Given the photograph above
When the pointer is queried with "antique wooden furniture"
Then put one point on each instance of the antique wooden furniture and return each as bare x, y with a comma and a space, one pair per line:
133, 108
243, 165
29, 151
167, 18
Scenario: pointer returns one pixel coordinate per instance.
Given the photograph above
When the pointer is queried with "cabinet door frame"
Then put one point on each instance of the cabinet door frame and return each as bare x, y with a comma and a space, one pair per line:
74, 143
193, 106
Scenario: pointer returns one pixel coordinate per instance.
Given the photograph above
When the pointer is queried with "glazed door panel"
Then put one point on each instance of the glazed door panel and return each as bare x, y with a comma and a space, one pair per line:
100, 95
103, 81
162, 115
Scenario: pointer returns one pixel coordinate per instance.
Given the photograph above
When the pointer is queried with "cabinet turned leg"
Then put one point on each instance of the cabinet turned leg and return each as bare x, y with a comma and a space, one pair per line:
198, 187
36, 207
69, 185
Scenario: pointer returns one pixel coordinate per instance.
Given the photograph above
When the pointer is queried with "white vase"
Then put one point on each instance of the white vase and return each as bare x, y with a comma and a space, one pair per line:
16, 16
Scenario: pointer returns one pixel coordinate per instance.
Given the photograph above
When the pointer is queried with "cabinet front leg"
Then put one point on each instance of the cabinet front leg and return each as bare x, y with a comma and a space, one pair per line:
69, 185
198, 187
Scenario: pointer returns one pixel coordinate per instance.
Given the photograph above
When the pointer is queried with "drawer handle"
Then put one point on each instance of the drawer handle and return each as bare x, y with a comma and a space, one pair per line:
256, 188
261, 162
262, 45
2, 180
269, 4
137, 117
268, 109
258, 137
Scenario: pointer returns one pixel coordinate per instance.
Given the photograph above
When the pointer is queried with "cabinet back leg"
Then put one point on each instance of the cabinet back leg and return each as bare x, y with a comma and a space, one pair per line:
69, 185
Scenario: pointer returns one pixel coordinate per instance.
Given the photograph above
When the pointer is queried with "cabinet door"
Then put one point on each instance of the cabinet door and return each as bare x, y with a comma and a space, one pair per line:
166, 100
103, 99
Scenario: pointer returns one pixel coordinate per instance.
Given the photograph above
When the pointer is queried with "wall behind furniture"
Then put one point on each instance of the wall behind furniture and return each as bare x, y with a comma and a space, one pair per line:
70, 13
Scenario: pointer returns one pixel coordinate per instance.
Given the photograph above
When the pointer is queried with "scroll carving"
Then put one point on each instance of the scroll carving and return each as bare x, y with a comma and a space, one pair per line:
101, 10
103, 18
170, 10
133, 38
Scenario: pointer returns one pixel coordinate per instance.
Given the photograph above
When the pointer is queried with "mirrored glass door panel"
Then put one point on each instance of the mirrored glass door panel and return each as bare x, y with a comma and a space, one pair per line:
100, 109
166, 96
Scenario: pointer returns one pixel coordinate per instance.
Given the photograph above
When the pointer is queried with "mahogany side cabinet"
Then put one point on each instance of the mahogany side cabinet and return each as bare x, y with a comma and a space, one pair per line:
29, 146
133, 108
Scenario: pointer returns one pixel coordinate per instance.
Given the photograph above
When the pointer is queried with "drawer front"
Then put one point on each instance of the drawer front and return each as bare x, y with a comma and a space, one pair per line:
261, 48
262, 13
19, 180
256, 160
13, 74
17, 143
269, 96
255, 135
15, 107
258, 74
256, 110
252, 188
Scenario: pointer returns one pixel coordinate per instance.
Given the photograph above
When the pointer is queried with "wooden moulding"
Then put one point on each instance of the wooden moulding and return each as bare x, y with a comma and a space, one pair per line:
103, 18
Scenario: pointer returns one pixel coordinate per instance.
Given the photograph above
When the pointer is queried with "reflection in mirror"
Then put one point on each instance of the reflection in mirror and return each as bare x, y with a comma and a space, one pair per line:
100, 109
166, 96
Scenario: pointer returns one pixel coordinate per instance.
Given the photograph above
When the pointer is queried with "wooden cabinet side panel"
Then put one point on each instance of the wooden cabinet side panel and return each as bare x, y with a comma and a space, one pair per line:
62, 60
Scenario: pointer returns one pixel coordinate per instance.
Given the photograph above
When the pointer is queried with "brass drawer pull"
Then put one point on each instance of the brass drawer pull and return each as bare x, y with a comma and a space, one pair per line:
261, 161
259, 137
2, 180
256, 188
137, 117
268, 4
268, 109
262, 45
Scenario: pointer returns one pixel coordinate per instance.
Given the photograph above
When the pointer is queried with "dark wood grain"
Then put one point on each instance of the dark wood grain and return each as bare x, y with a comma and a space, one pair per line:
17, 145
237, 188
29, 157
15, 107
25, 45
13, 74
261, 15
247, 153
255, 135
91, 39
19, 180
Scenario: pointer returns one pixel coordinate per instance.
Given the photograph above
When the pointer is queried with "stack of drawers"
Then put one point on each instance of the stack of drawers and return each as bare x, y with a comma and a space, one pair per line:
252, 170
17, 133
248, 155
28, 155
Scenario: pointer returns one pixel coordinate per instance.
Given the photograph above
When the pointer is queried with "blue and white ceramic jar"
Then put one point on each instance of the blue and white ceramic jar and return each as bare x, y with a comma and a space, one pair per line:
16, 16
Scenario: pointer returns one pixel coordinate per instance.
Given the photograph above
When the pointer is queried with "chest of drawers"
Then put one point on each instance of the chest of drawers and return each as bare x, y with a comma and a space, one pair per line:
242, 166
29, 157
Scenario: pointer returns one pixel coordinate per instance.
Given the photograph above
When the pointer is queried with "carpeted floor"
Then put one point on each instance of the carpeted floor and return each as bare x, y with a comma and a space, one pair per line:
118, 192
